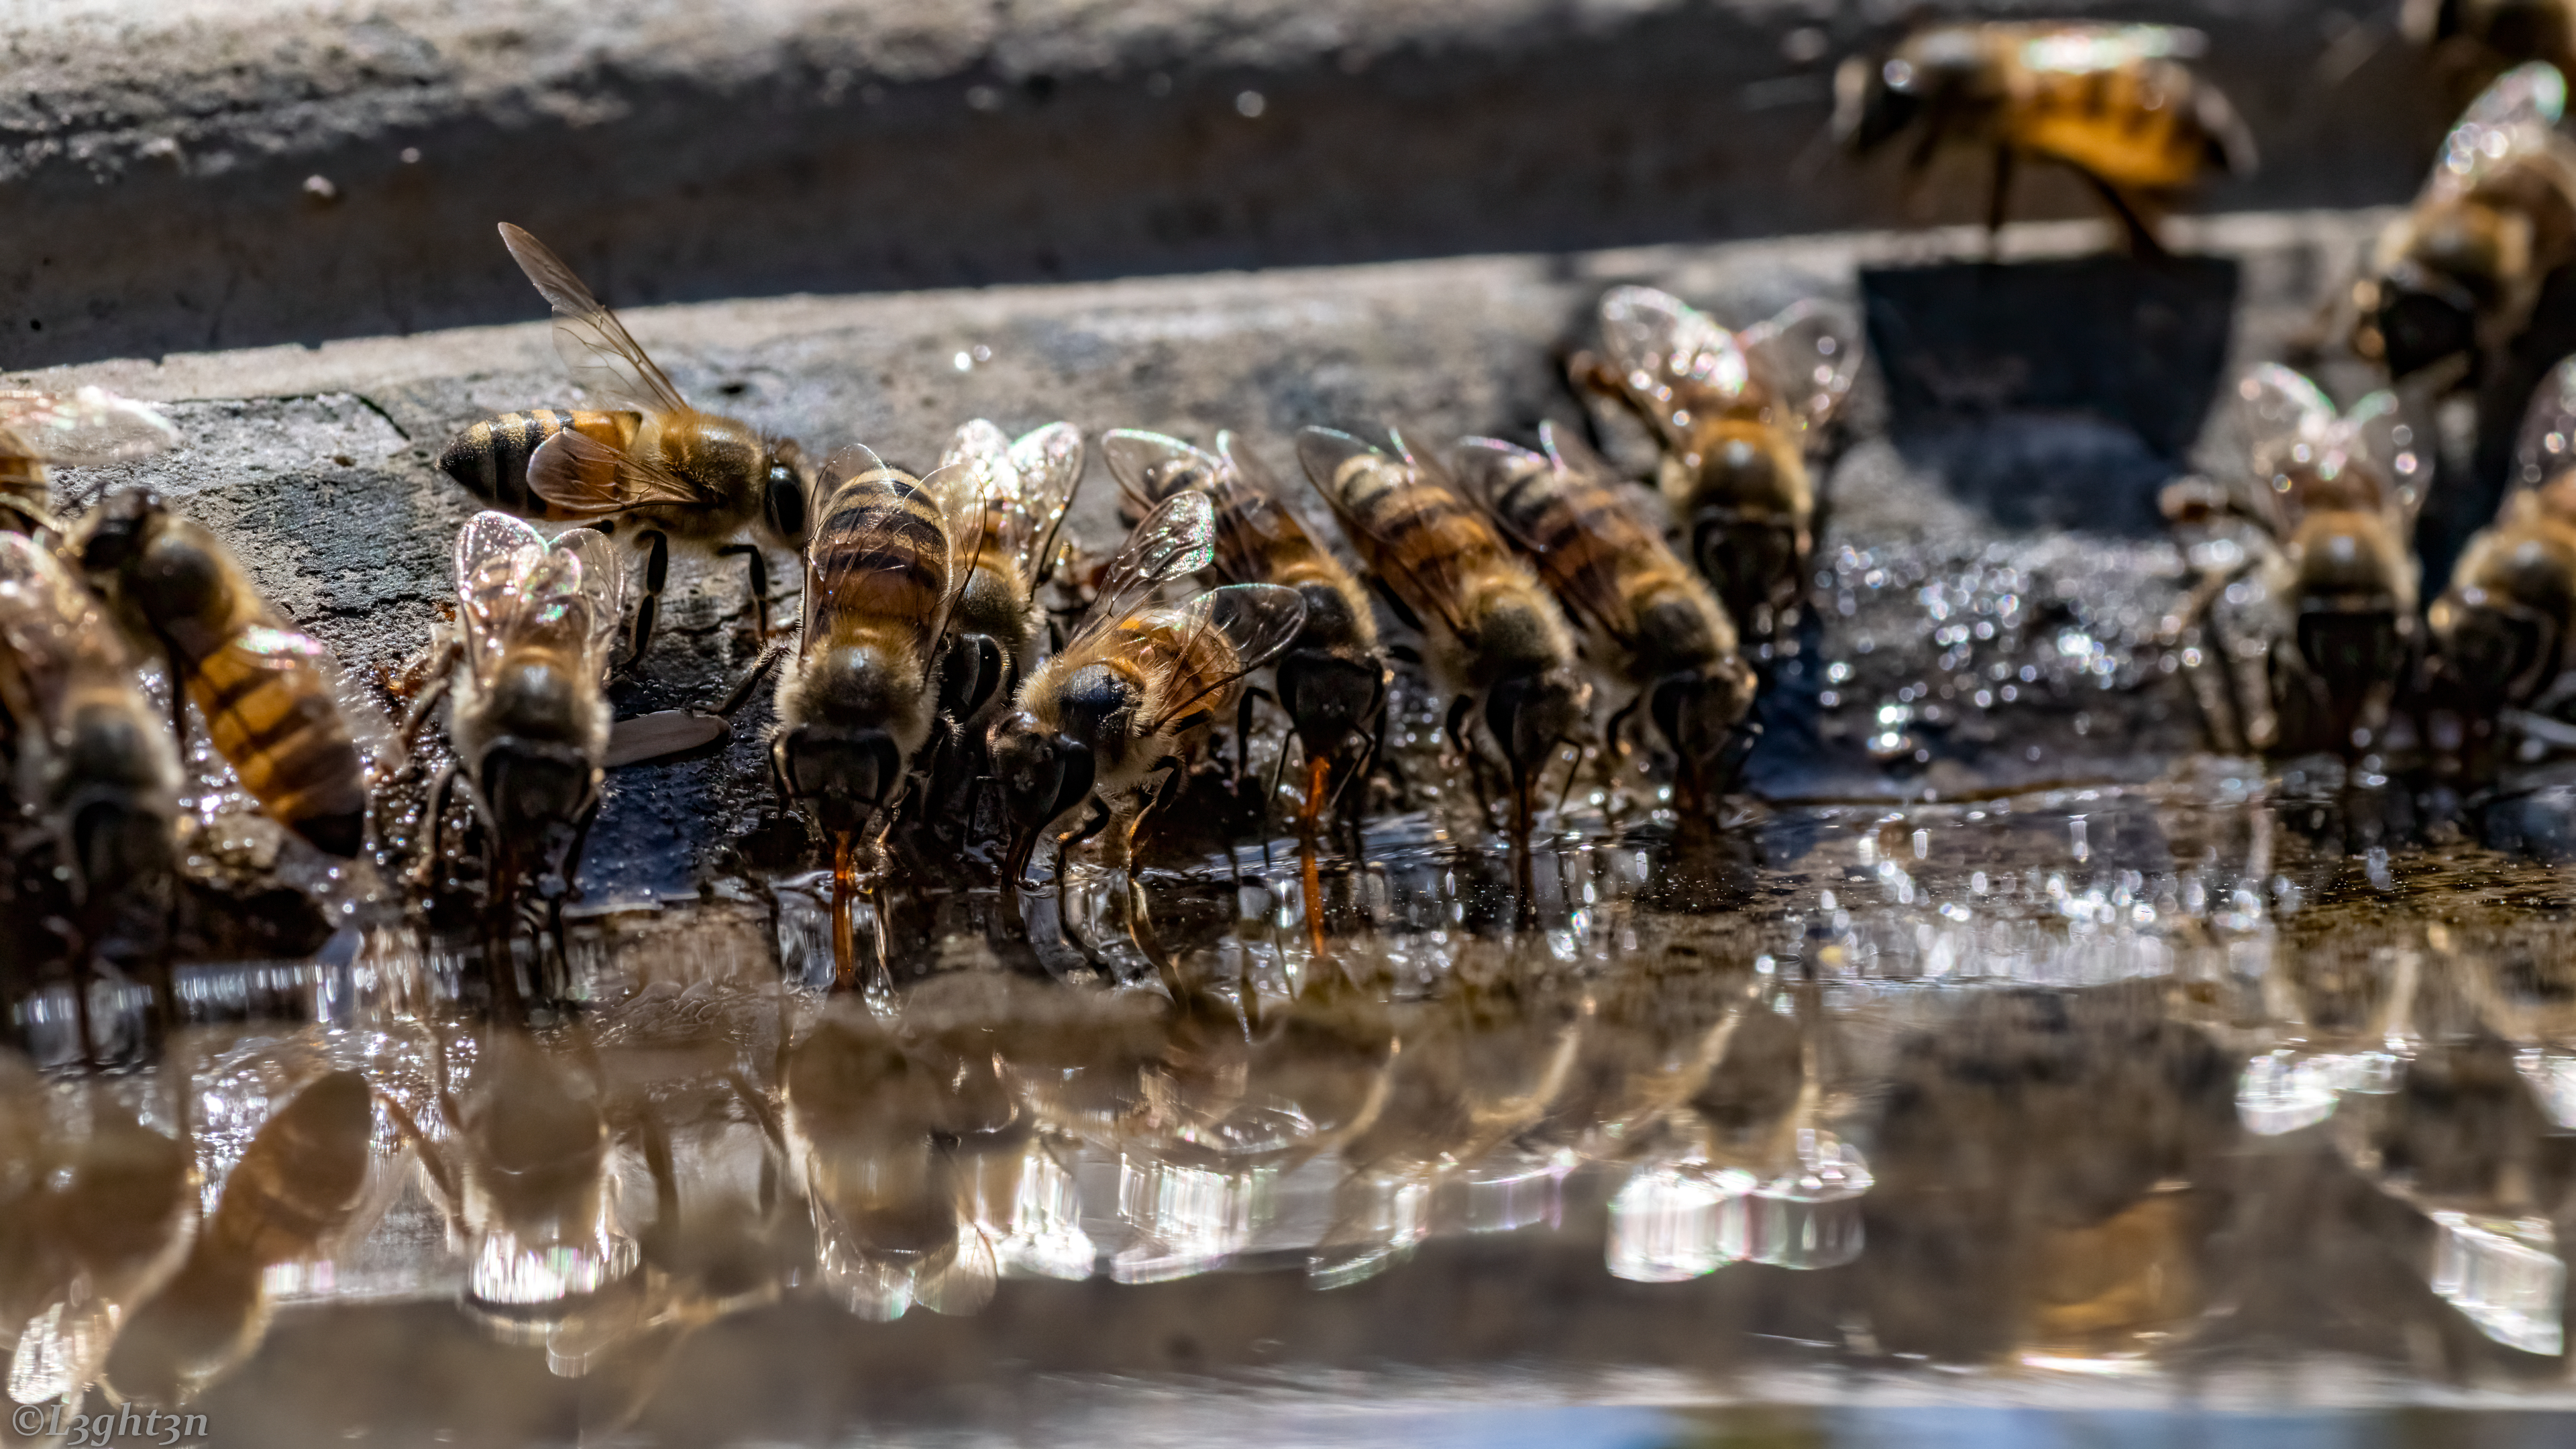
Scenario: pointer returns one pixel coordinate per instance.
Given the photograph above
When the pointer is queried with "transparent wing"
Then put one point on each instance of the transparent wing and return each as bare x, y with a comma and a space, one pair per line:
593, 344
602, 584
494, 555
1049, 463
2379, 435
1806, 357
1255, 621
853, 461
82, 428
2281, 412
1177, 539
964, 1284
582, 476
643, 737
968, 534
47, 620
1151, 467
2548, 443
2085, 49
2515, 116
1668, 353
1429, 583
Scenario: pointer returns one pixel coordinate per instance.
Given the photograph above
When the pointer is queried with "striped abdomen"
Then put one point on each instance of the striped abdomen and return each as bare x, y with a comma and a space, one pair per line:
266, 694
1260, 542
2139, 125
491, 457
879, 561
1410, 531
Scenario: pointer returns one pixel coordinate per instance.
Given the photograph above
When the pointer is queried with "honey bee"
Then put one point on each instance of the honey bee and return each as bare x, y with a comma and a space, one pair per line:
1496, 639
530, 717
2334, 499
676, 472
1005, 501
2114, 103
83, 428
301, 1190
1111, 718
857, 701
93, 772
270, 694
1654, 621
1738, 414
2500, 629
2452, 282
1331, 679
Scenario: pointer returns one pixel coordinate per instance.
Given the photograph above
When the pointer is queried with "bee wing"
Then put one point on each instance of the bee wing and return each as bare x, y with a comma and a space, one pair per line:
1049, 464
1151, 467
856, 537
2515, 116
964, 1284
2280, 411
82, 428
1429, 582
587, 478
595, 347
601, 586
1177, 539
1667, 352
2083, 49
49, 623
1256, 621
1806, 357
2380, 435
1488, 465
2548, 442
1258, 523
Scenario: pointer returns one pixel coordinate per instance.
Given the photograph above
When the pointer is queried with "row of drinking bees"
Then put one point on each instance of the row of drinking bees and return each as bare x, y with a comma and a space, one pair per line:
1525, 581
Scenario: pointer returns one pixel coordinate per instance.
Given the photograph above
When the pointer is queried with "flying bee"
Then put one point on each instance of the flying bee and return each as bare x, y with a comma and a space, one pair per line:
83, 428
92, 766
1496, 639
530, 718
2453, 281
1656, 624
2500, 630
1738, 414
1111, 718
674, 471
1331, 679
2335, 499
300, 1191
1005, 500
2114, 103
271, 695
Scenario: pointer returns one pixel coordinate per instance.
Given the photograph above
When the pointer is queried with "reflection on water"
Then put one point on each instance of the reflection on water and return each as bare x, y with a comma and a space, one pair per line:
2095, 1081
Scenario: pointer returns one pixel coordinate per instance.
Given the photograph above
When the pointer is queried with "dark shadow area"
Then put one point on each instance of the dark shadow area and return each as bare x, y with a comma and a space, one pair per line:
1554, 135
2052, 394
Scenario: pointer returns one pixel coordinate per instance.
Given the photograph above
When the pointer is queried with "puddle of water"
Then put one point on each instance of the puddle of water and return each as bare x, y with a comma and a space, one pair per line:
2154, 1085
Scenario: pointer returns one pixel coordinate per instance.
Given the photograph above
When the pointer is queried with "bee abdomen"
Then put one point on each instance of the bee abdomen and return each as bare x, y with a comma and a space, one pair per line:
282, 732
491, 458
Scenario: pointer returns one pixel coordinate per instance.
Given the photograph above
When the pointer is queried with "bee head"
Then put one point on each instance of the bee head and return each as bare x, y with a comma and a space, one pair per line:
119, 529
1329, 697
1753, 560
844, 777
2495, 650
534, 790
2354, 644
1875, 99
117, 838
1531, 714
1697, 713
2414, 318
1043, 776
783, 501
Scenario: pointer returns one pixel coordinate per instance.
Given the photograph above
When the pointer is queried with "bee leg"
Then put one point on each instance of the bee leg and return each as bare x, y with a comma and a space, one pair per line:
1243, 735
1455, 728
1573, 769
178, 704
1278, 772
657, 572
1996, 201
740, 695
433, 816
758, 564
442, 678
2144, 244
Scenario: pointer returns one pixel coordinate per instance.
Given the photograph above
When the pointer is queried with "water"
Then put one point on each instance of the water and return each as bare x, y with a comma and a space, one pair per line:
2213, 1091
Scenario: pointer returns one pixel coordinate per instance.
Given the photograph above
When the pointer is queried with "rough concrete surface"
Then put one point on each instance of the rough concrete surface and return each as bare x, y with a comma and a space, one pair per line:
184, 176
359, 548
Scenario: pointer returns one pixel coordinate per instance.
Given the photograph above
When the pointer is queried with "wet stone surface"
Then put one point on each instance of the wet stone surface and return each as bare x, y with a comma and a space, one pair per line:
1996, 1043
